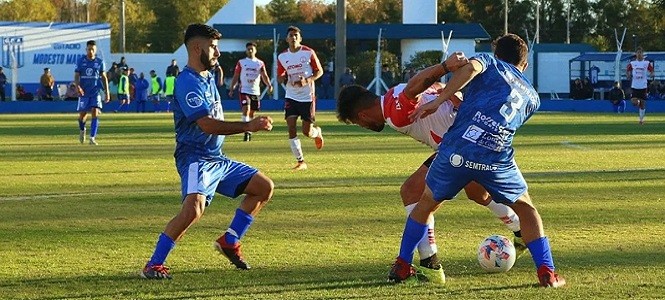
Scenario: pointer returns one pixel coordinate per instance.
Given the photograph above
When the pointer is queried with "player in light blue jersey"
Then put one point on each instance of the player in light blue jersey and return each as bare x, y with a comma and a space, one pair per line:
89, 75
203, 168
478, 147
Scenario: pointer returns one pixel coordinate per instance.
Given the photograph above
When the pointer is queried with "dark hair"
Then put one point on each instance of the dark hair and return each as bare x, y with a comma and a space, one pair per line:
292, 28
201, 30
91, 43
511, 49
351, 99
250, 44
639, 49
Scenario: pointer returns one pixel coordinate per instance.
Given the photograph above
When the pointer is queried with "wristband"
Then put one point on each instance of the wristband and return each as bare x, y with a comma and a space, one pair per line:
445, 68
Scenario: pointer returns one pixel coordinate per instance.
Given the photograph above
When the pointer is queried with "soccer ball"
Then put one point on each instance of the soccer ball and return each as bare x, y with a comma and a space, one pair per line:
496, 254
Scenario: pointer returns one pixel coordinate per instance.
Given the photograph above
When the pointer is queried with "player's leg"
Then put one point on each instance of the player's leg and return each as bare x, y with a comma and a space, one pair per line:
258, 190
410, 192
442, 182
642, 105
190, 212
307, 110
507, 186
246, 110
94, 123
82, 108
291, 114
505, 214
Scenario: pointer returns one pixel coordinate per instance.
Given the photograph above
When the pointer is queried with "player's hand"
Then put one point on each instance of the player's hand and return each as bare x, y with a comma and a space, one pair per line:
425, 110
456, 61
260, 123
270, 90
108, 98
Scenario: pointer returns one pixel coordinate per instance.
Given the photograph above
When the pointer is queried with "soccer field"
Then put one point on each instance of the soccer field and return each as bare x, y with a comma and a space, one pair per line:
80, 221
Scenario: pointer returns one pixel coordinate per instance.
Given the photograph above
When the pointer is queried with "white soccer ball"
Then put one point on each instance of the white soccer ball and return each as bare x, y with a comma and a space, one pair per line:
496, 254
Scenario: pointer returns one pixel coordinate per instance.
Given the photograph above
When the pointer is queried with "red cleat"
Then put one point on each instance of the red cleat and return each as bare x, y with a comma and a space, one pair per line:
549, 278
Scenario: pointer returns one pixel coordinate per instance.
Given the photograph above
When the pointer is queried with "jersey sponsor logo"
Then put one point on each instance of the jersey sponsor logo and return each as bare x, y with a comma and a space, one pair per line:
456, 160
294, 67
473, 133
304, 60
89, 71
193, 100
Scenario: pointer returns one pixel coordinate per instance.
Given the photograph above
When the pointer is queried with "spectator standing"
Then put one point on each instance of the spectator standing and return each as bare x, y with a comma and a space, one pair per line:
326, 84
156, 89
173, 68
3, 81
141, 88
46, 84
123, 63
387, 76
169, 88
123, 91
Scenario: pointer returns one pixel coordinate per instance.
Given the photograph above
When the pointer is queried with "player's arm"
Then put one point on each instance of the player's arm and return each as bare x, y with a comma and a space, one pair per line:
77, 79
282, 77
629, 70
234, 81
651, 71
213, 126
265, 78
220, 73
316, 67
460, 79
425, 78
105, 84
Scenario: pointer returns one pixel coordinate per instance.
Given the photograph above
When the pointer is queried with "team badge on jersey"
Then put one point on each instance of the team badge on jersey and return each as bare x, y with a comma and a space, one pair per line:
193, 100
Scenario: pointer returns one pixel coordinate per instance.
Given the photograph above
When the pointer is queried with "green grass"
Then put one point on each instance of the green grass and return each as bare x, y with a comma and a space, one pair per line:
78, 222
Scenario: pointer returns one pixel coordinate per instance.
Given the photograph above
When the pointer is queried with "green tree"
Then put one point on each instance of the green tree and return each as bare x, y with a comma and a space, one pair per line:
28, 11
362, 64
284, 11
139, 21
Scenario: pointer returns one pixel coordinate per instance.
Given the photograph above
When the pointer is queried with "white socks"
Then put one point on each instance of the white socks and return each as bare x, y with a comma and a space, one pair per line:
642, 113
296, 149
246, 118
506, 215
427, 246
313, 132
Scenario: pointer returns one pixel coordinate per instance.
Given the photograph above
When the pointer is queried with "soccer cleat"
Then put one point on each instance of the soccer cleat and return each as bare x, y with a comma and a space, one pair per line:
155, 272
402, 272
431, 275
248, 137
232, 252
549, 278
93, 142
300, 166
520, 246
318, 140
82, 136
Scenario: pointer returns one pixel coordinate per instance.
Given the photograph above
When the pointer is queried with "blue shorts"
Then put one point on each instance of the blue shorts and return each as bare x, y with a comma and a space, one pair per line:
122, 97
225, 176
154, 97
87, 103
450, 172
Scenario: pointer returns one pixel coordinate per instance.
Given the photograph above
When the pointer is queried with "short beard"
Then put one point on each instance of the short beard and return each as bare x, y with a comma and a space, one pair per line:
378, 128
207, 64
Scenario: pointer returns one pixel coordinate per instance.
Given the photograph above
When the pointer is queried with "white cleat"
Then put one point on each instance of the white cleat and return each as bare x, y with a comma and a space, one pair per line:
92, 141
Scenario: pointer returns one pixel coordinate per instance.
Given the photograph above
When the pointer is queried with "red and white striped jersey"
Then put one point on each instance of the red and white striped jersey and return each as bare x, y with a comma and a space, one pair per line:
397, 107
639, 69
296, 64
250, 71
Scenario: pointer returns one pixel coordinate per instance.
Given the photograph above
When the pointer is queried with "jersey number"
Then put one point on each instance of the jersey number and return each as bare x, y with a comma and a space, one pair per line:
509, 109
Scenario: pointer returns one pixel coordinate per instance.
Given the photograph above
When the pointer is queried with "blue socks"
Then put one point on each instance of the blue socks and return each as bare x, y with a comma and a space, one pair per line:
414, 232
93, 127
81, 125
164, 245
541, 253
239, 225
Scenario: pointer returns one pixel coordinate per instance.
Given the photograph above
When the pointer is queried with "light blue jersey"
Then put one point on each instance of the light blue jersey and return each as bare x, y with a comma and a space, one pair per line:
195, 97
478, 146
202, 167
90, 74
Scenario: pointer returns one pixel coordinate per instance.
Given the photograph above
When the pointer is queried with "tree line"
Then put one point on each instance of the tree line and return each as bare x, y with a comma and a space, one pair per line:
157, 26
